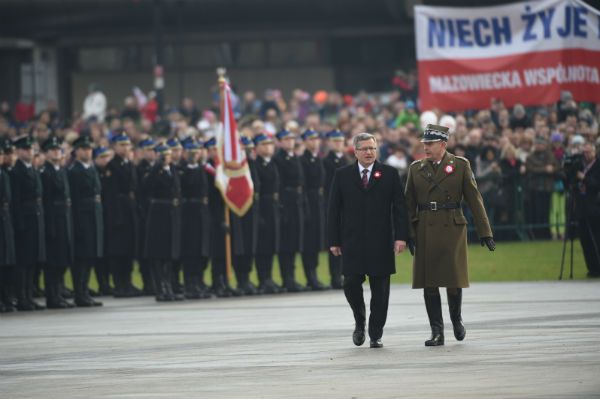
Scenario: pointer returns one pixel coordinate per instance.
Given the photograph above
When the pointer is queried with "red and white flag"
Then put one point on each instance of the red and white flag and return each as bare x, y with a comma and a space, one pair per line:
232, 174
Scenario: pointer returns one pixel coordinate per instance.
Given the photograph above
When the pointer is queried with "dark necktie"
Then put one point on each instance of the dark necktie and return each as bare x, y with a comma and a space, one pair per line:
365, 178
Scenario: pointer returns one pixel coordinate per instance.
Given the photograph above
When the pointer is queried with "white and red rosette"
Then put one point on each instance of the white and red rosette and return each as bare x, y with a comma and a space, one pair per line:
377, 174
449, 169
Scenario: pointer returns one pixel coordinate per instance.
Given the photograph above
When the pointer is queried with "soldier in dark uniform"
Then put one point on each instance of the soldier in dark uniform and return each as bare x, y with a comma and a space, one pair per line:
292, 208
335, 159
7, 238
120, 187
268, 226
163, 223
59, 223
87, 219
177, 162
102, 156
29, 227
244, 229
9, 272
220, 280
314, 225
195, 221
143, 168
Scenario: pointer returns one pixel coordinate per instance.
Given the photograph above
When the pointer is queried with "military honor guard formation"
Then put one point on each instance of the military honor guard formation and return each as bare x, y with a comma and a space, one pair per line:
106, 209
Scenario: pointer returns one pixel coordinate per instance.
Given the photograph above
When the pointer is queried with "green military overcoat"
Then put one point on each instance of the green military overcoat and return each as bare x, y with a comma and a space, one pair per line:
441, 236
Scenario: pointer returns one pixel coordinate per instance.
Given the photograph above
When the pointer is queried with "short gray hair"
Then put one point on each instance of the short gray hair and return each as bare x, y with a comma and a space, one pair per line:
363, 137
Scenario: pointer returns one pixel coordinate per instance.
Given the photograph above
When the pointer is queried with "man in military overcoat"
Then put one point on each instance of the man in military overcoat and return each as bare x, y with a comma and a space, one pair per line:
435, 188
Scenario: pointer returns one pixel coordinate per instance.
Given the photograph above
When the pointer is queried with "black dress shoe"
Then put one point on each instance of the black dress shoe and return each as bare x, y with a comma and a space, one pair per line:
24, 306
37, 306
56, 305
435, 340
83, 303
376, 343
293, 286
8, 307
248, 288
358, 336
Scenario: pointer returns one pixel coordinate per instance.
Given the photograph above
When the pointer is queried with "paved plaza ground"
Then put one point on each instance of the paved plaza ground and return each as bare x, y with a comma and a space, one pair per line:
524, 340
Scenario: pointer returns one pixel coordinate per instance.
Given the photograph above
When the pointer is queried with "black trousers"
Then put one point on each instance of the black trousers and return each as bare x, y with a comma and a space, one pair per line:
288, 266
81, 271
7, 284
380, 296
242, 266
24, 282
589, 236
264, 266
121, 268
193, 269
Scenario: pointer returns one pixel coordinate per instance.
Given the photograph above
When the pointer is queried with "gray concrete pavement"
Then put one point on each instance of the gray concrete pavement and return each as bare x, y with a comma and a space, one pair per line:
524, 340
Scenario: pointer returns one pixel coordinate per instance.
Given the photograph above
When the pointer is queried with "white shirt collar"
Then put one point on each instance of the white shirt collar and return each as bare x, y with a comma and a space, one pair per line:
192, 166
267, 160
85, 165
27, 164
339, 154
361, 168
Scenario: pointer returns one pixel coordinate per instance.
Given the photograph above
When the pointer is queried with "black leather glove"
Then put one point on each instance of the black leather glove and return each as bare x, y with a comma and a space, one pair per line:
411, 246
489, 241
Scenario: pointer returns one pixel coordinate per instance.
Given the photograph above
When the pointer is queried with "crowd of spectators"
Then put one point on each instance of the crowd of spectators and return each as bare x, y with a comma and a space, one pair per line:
517, 153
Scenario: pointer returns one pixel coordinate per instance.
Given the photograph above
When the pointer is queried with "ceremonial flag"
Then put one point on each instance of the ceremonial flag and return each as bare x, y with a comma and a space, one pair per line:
232, 174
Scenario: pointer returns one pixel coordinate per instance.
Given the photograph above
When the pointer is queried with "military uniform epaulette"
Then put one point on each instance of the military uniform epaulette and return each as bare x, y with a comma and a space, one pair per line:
462, 158
415, 162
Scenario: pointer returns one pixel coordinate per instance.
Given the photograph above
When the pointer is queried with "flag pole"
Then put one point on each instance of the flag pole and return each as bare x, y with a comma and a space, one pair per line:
228, 265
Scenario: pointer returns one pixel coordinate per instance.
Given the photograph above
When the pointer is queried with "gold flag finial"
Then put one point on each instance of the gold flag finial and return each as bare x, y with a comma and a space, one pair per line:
221, 73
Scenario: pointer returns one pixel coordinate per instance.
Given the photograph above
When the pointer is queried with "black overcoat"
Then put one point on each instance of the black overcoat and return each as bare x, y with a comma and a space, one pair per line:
121, 208
314, 225
163, 222
366, 222
28, 211
195, 220
268, 224
292, 200
88, 224
58, 216
7, 233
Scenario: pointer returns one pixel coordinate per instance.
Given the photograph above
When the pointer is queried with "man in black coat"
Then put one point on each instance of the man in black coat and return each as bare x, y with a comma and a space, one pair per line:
268, 226
334, 160
163, 224
102, 156
121, 216
59, 223
195, 221
88, 225
314, 224
29, 227
142, 169
292, 202
178, 163
368, 224
587, 207
7, 238
244, 230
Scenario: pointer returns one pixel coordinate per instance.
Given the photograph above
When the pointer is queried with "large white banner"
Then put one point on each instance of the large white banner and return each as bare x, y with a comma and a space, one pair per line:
520, 53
